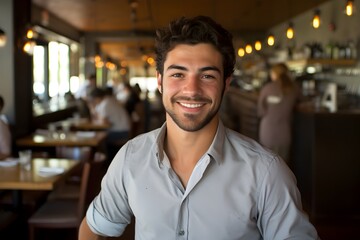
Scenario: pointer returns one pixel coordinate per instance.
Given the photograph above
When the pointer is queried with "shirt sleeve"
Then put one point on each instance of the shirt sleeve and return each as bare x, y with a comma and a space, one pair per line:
110, 213
280, 210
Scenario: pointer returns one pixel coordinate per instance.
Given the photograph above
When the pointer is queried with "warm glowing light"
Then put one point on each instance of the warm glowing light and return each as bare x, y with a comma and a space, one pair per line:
29, 47
349, 7
316, 19
150, 60
97, 58
257, 45
99, 64
290, 32
29, 34
123, 71
110, 65
271, 40
248, 49
123, 63
241, 52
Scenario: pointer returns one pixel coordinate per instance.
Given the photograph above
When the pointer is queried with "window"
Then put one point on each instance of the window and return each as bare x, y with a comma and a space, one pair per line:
56, 67
52, 65
38, 72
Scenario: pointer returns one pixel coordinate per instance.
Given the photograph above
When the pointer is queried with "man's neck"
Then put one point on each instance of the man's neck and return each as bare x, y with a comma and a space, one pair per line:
185, 146
184, 149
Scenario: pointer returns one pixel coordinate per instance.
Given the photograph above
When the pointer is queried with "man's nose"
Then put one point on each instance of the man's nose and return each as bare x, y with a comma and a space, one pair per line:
193, 84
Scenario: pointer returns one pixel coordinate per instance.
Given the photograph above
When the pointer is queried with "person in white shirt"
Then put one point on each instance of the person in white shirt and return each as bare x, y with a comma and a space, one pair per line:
106, 109
86, 88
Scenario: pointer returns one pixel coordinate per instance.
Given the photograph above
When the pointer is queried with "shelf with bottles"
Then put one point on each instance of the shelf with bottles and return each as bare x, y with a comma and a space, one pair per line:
300, 63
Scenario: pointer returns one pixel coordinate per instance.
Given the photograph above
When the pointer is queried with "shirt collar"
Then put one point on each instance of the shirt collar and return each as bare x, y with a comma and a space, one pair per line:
215, 150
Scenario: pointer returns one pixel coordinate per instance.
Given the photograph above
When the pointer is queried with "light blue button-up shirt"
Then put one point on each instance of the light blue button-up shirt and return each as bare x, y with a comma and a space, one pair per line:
237, 190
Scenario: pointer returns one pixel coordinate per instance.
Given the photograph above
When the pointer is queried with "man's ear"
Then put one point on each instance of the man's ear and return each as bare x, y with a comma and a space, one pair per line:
227, 82
159, 79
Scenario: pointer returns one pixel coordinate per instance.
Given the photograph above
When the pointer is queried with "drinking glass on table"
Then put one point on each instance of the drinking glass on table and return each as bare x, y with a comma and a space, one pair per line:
25, 159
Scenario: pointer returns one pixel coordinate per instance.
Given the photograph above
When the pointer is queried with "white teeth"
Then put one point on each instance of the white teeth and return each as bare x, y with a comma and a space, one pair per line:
191, 105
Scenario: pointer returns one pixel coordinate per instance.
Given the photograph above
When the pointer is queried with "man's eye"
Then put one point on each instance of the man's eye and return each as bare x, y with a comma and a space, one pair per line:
177, 75
208, 76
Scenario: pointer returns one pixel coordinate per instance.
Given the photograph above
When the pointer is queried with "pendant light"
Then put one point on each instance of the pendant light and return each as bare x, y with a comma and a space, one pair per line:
257, 46
248, 49
271, 40
349, 9
316, 19
241, 52
290, 31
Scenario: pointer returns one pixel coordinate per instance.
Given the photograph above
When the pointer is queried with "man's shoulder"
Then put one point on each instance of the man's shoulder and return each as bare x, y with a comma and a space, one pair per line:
144, 141
249, 149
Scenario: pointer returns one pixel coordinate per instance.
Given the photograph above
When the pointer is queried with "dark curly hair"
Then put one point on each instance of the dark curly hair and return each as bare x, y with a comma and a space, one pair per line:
200, 29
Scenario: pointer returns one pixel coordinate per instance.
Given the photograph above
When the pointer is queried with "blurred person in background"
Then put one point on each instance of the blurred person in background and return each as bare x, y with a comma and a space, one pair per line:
275, 108
5, 134
87, 87
105, 108
82, 96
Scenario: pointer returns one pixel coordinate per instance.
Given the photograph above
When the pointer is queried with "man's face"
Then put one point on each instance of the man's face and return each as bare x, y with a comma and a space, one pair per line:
192, 85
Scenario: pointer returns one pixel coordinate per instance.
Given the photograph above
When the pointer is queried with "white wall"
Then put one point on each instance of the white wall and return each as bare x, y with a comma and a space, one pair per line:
7, 59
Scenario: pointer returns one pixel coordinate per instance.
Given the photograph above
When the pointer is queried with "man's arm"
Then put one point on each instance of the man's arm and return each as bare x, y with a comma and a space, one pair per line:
86, 234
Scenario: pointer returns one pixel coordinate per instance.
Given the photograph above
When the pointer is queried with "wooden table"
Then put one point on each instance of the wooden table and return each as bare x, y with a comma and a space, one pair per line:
16, 178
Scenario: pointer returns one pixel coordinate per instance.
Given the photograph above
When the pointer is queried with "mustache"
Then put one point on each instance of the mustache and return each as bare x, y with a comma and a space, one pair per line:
198, 98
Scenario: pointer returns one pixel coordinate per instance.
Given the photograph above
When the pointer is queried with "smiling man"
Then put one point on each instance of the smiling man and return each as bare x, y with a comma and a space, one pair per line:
193, 178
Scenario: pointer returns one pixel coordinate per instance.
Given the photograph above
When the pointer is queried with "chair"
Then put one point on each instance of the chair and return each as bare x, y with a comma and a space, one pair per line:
71, 190
68, 213
78, 153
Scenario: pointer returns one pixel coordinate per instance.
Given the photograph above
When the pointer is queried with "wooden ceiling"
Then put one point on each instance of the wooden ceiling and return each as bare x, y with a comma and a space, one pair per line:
241, 17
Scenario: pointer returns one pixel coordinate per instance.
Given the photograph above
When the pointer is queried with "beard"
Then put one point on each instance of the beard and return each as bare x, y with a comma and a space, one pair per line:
191, 122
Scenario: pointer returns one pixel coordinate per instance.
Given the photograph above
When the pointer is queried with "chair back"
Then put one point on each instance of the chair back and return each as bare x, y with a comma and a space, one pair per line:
92, 174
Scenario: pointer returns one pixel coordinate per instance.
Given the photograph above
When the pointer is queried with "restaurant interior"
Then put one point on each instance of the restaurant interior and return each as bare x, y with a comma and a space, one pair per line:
49, 48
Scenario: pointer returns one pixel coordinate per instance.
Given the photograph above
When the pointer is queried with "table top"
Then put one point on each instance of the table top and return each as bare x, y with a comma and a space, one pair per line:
18, 178
59, 138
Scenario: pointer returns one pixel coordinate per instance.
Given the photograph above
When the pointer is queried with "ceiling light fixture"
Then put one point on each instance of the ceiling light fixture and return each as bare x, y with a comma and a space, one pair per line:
2, 38
349, 9
290, 31
316, 19
30, 41
241, 52
257, 46
29, 47
248, 49
271, 40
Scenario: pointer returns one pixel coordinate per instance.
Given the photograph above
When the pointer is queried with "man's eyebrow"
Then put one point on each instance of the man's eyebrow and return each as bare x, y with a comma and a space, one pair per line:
203, 69
173, 66
210, 68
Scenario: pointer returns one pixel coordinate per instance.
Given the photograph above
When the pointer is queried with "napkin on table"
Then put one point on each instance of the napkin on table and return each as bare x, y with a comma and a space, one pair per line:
9, 162
50, 171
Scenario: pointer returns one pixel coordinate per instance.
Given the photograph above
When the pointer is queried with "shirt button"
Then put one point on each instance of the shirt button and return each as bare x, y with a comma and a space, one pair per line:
181, 233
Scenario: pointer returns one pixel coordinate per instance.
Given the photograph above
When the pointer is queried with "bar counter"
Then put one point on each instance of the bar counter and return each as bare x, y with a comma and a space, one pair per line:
326, 161
325, 156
